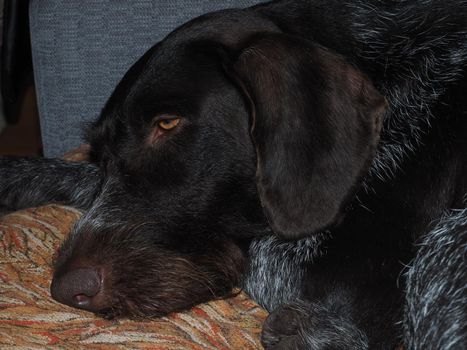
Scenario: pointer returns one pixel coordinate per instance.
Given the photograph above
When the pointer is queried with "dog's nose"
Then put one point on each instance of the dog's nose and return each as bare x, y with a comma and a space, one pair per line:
78, 288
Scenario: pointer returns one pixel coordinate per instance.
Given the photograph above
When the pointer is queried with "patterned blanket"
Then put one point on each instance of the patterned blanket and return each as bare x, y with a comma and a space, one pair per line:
31, 319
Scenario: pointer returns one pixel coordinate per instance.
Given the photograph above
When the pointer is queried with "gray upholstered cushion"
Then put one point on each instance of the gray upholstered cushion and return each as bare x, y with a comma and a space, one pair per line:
81, 49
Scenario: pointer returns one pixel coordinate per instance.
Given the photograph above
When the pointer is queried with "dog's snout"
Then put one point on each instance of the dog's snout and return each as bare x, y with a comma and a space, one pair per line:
78, 288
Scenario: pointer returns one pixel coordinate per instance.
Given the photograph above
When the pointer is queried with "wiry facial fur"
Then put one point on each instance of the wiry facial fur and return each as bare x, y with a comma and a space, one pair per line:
141, 271
142, 277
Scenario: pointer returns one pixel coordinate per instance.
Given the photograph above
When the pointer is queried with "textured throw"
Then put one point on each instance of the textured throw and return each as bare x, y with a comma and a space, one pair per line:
30, 319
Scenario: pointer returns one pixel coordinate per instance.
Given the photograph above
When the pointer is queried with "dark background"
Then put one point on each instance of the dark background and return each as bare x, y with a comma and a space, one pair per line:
19, 121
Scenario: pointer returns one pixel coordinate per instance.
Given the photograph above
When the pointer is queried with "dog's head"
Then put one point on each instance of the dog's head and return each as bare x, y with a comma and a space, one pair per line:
226, 129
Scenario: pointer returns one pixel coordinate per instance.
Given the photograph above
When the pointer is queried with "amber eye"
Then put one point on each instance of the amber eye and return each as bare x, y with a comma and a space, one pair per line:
168, 124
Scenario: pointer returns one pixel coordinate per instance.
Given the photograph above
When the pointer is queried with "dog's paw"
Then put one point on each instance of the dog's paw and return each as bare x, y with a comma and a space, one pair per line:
303, 325
282, 328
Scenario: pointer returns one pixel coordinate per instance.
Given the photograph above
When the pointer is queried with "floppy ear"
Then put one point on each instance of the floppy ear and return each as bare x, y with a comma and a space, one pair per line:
316, 124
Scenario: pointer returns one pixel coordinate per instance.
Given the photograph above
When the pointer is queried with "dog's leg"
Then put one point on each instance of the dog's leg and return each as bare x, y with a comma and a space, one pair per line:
277, 268
305, 325
352, 305
28, 182
436, 313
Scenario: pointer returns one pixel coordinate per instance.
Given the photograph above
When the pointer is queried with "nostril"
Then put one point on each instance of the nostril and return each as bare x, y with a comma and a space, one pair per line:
77, 288
82, 300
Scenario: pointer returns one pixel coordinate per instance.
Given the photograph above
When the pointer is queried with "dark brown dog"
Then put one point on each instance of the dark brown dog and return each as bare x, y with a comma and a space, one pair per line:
242, 123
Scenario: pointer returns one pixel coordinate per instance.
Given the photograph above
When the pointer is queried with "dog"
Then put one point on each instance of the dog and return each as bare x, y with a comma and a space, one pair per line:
312, 152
